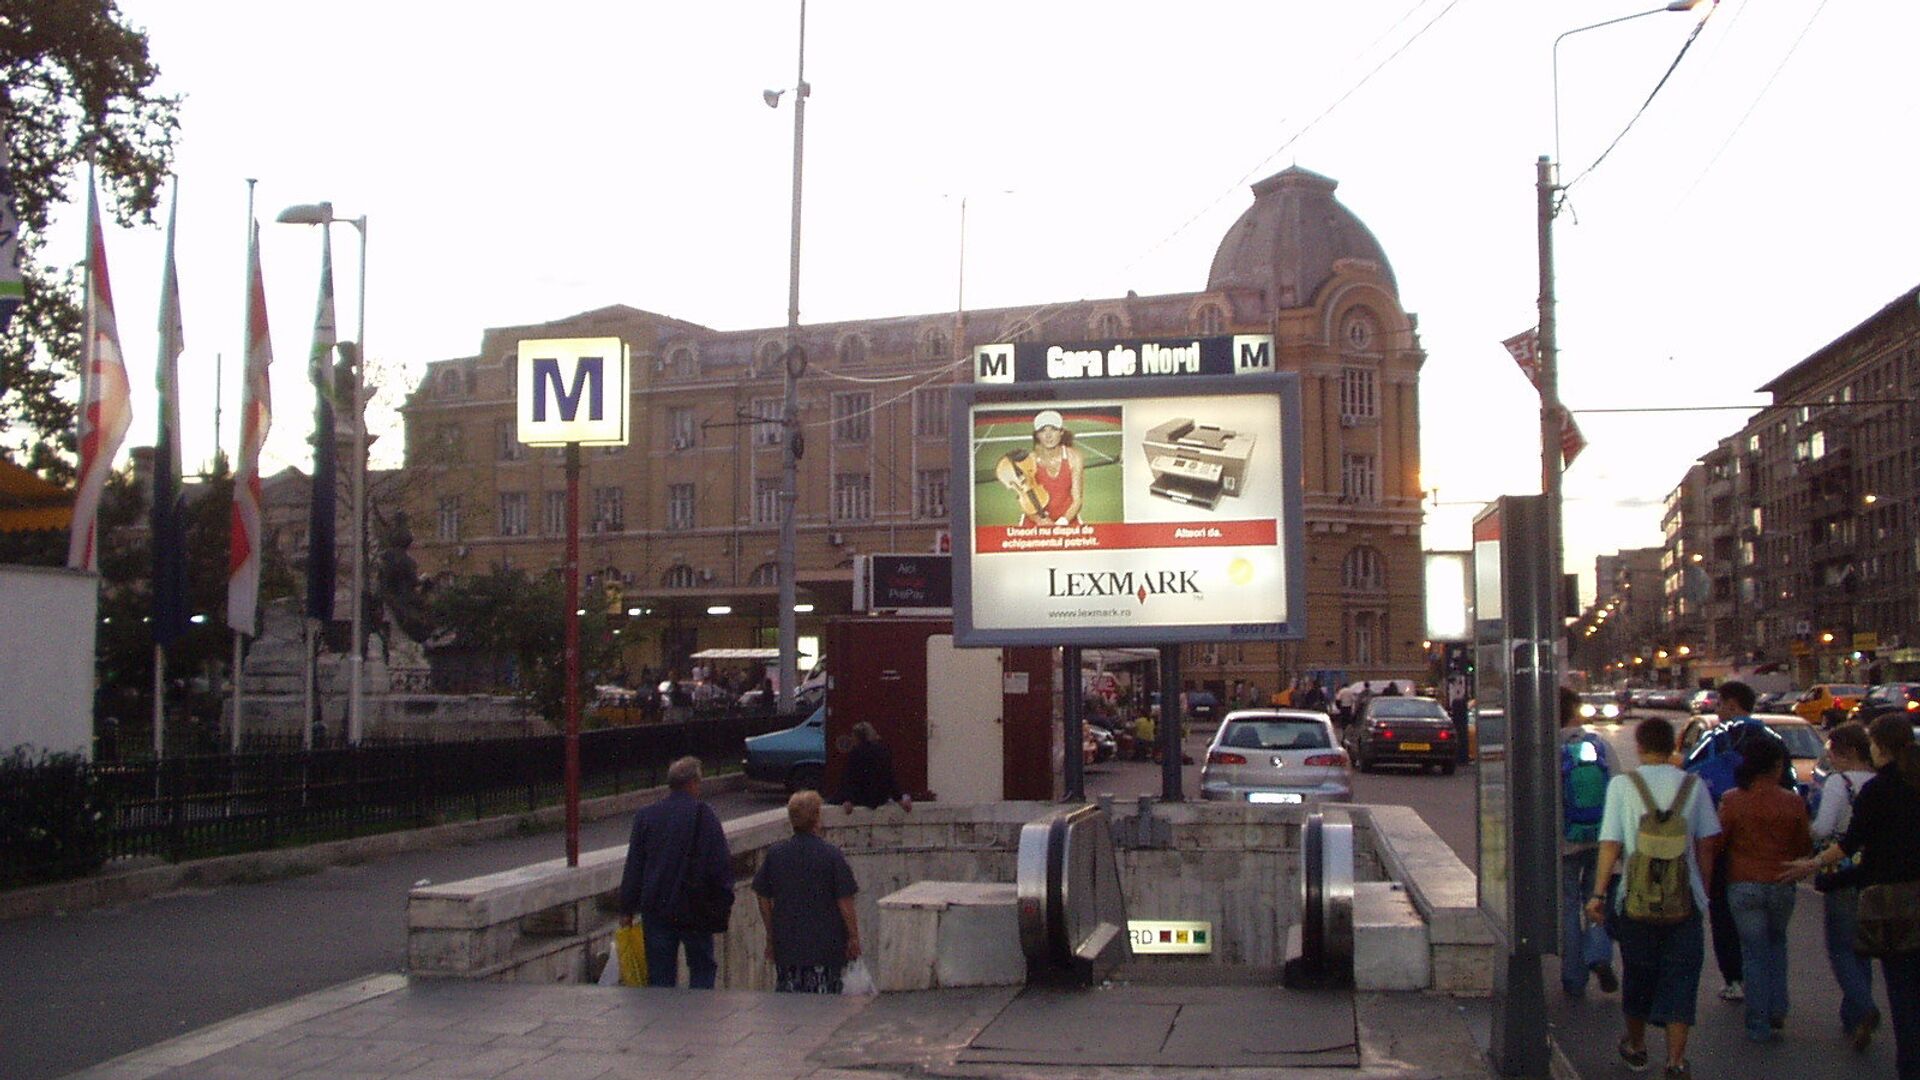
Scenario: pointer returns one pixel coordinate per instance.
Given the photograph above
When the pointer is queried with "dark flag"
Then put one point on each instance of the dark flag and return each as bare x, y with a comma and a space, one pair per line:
169, 506
320, 532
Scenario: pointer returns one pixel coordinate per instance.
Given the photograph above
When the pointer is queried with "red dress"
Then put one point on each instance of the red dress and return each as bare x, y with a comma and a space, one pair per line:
1059, 489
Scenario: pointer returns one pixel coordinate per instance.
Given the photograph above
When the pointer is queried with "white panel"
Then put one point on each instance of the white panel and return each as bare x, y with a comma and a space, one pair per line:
47, 623
965, 747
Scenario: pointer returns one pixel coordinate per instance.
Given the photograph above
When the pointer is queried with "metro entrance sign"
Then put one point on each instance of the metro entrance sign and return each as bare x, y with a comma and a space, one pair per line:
572, 390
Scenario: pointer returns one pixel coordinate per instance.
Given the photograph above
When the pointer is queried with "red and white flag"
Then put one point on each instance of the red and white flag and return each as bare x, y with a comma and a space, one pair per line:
256, 417
1571, 441
1525, 348
106, 407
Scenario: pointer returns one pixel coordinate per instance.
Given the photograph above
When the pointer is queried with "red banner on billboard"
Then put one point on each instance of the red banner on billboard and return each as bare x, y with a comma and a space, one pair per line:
1116, 536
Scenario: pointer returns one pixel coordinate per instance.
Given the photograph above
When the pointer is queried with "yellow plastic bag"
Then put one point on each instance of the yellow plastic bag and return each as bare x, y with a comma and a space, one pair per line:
630, 953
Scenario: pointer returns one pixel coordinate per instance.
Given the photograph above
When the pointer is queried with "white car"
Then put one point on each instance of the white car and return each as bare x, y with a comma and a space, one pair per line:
1276, 756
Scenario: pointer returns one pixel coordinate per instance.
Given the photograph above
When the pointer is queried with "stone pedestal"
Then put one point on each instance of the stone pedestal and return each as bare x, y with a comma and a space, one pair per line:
938, 934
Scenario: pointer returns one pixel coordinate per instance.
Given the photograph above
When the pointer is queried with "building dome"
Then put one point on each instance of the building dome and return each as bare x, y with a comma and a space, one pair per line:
1289, 239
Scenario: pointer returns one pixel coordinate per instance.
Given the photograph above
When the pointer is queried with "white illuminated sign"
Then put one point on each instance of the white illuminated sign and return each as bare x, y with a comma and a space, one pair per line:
572, 390
1170, 935
1447, 613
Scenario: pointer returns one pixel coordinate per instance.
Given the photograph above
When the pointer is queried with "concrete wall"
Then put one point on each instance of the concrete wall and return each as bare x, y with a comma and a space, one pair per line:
1233, 864
46, 658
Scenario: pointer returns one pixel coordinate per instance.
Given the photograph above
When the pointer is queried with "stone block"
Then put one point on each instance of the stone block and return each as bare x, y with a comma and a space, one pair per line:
1390, 949
937, 934
1466, 970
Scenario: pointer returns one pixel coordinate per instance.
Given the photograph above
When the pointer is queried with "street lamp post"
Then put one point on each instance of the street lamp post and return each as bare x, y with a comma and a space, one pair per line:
1519, 1012
321, 214
794, 361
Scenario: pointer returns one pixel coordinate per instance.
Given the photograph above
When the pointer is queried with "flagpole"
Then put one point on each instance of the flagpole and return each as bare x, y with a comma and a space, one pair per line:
246, 373
159, 700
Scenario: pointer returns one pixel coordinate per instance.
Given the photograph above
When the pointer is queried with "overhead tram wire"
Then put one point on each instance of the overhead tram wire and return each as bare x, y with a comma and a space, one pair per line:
1635, 118
1755, 103
1034, 316
1296, 136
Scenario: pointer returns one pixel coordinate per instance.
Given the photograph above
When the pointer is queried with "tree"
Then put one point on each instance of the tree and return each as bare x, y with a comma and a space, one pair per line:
76, 86
509, 613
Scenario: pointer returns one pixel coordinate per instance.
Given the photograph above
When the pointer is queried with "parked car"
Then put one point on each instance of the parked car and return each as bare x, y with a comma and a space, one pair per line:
1667, 698
1402, 730
1703, 701
1599, 707
795, 757
1779, 701
1828, 703
1275, 756
1903, 697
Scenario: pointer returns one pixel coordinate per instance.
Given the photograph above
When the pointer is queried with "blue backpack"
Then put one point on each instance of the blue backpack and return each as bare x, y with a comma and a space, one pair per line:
1584, 772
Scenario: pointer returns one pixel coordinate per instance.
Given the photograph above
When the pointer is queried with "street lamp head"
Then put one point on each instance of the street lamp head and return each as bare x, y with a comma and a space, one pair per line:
771, 97
306, 214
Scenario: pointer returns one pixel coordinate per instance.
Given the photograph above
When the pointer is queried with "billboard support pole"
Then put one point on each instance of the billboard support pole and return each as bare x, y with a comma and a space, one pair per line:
1074, 724
1171, 721
573, 654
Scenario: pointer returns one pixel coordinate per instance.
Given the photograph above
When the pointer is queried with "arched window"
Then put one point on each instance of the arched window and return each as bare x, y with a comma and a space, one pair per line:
1210, 320
1110, 324
1364, 571
935, 345
680, 577
853, 349
680, 363
766, 574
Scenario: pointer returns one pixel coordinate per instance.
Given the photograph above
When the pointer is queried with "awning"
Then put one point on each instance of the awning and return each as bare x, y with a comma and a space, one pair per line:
737, 654
30, 504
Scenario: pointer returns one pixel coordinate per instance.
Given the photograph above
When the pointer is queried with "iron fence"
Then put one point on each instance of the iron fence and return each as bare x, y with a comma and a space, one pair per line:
193, 806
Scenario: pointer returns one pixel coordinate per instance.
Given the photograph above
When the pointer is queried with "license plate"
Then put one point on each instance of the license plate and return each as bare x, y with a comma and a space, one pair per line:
1416, 746
1276, 797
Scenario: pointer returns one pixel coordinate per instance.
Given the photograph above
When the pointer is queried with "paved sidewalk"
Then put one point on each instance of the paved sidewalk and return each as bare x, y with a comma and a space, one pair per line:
388, 1026
1813, 1048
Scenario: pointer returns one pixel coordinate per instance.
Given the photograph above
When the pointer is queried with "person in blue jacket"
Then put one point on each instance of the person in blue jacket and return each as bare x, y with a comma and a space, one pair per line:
1713, 759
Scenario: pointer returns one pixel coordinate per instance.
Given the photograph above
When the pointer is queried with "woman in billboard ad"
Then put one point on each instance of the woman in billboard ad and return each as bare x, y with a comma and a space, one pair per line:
1053, 473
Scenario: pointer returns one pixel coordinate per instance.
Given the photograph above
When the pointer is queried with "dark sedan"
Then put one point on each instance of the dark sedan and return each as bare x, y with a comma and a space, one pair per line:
1900, 697
1402, 731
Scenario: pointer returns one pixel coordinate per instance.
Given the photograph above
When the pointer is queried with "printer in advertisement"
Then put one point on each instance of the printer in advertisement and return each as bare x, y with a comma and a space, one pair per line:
1196, 464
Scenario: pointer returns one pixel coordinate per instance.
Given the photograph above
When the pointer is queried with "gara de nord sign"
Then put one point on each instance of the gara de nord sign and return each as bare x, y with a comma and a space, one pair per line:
573, 390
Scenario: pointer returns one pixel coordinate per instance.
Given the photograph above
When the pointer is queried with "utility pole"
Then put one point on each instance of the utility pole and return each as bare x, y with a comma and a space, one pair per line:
794, 360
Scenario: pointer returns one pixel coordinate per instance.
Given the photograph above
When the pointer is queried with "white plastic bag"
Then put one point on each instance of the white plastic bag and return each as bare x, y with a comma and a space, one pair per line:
610, 975
857, 981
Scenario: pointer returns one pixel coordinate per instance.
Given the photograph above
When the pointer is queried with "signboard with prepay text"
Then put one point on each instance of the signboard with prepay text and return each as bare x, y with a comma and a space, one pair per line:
572, 390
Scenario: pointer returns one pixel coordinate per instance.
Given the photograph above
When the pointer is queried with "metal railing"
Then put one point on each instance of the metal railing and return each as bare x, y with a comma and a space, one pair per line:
193, 806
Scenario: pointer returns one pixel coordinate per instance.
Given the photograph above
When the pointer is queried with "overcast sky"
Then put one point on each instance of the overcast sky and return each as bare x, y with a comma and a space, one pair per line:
522, 163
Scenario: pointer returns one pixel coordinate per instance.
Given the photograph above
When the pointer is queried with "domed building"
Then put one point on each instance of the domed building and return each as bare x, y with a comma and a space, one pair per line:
685, 520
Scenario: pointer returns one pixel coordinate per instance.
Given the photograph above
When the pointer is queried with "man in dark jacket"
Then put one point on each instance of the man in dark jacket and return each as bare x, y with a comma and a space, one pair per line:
867, 777
674, 839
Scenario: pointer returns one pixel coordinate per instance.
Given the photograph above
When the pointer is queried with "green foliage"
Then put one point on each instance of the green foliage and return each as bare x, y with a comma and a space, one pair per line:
76, 86
507, 612
53, 822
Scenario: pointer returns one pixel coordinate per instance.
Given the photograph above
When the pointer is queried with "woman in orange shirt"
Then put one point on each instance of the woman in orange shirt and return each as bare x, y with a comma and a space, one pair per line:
1764, 827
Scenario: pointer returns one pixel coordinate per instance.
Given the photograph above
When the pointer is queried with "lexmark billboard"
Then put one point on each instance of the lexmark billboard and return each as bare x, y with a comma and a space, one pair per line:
1127, 511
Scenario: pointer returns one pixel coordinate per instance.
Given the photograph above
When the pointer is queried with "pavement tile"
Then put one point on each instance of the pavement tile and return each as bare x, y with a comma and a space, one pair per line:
579, 1067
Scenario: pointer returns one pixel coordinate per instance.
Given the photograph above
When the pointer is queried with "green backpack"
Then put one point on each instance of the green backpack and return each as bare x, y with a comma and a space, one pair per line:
1658, 889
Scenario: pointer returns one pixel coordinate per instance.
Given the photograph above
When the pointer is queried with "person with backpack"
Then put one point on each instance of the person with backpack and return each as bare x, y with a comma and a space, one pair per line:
1849, 750
1763, 827
1660, 827
1586, 766
1886, 818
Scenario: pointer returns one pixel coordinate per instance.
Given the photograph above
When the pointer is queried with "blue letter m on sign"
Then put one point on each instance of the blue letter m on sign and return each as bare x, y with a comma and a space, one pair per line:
546, 378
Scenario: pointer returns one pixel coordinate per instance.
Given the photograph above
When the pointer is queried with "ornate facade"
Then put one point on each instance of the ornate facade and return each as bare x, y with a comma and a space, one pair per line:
685, 520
